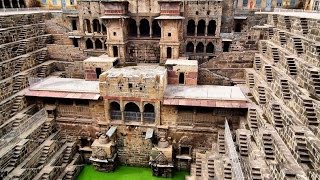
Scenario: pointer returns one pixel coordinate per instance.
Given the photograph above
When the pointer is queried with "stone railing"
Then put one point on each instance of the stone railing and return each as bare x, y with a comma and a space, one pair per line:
295, 10
13, 136
132, 116
74, 111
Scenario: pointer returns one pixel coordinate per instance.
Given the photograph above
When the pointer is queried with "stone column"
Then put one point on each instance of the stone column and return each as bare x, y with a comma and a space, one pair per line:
18, 4
3, 4
206, 30
11, 4
151, 31
138, 31
196, 30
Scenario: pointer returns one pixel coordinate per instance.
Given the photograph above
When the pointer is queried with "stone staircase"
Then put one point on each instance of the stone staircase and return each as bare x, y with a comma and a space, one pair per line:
262, 95
15, 156
253, 119
22, 34
285, 89
268, 71
276, 113
283, 38
275, 55
44, 155
45, 131
67, 155
270, 32
199, 166
301, 147
227, 172
298, 45
21, 47
42, 42
18, 83
304, 25
18, 66
275, 19
309, 112
16, 105
211, 169
315, 79
287, 22
291, 66
221, 143
242, 140
257, 63
268, 146
42, 57
43, 70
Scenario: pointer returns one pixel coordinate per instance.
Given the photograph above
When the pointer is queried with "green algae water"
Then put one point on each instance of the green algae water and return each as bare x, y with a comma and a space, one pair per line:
124, 173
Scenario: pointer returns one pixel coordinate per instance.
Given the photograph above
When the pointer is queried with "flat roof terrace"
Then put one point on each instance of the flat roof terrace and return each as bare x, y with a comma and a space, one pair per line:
147, 71
15, 11
65, 88
307, 15
206, 96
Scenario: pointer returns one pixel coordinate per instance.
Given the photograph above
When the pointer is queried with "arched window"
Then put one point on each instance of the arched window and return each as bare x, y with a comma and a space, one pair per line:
201, 27
191, 27
132, 28
190, 47
132, 112
115, 112
148, 113
210, 48
96, 25
89, 44
156, 29
200, 48
86, 24
98, 44
144, 28
212, 28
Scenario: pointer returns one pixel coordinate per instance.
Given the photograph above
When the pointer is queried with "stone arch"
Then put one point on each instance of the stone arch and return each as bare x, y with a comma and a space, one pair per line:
190, 47
191, 27
115, 106
98, 44
149, 113
156, 29
115, 111
201, 27
148, 108
144, 27
96, 25
131, 106
132, 112
89, 44
86, 25
212, 28
210, 48
185, 140
132, 28
200, 48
